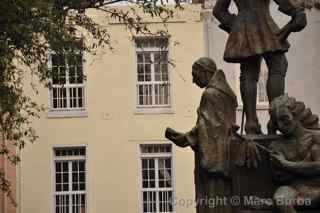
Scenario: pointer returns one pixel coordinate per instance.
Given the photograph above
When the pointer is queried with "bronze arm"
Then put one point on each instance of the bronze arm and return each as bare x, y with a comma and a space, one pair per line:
298, 18
221, 12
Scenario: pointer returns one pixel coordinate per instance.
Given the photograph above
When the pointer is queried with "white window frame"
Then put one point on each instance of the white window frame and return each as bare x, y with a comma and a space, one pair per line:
156, 156
69, 159
68, 111
261, 105
142, 109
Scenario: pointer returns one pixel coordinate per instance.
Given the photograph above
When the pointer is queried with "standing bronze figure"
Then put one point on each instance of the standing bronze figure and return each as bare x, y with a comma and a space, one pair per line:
254, 35
210, 138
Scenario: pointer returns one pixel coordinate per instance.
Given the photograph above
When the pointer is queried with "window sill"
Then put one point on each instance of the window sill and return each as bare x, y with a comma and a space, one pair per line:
259, 107
67, 114
153, 110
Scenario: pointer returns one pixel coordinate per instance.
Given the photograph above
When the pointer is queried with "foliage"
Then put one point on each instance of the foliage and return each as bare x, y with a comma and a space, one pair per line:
29, 29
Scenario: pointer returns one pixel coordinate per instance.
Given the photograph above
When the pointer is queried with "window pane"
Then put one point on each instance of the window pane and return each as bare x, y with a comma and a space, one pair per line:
152, 184
165, 201
69, 152
62, 203
78, 203
58, 178
80, 92
145, 174
164, 57
140, 72
82, 152
167, 163
145, 184
65, 187
65, 167
150, 94
74, 102
140, 94
147, 58
83, 200
62, 75
155, 148
81, 166
149, 202
82, 177
57, 60
82, 187
72, 75
144, 163
147, 69
145, 94
65, 178
157, 58
164, 71
166, 94
139, 43
157, 73
79, 59
75, 186
58, 167
81, 97
156, 93
55, 75
139, 57
75, 177
58, 187
55, 101
152, 174
79, 75
74, 166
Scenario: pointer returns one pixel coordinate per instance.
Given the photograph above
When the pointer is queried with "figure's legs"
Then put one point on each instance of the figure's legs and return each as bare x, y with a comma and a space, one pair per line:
283, 199
277, 65
249, 77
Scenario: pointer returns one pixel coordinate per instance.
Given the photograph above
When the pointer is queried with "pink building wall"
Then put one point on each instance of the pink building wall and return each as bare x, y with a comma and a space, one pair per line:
6, 205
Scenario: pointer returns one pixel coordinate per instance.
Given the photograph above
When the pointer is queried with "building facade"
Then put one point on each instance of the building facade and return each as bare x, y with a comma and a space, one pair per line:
101, 144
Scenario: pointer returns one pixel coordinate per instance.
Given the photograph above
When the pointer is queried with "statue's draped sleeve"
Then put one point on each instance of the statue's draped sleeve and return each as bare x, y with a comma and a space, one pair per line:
191, 137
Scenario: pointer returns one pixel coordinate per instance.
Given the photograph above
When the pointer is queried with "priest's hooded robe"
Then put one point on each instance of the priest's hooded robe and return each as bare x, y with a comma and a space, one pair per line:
210, 140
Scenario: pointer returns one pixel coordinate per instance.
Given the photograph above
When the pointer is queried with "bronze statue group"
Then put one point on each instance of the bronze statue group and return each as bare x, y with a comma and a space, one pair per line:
295, 155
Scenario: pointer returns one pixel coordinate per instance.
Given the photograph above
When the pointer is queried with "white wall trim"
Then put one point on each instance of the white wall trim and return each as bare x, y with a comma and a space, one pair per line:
67, 113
